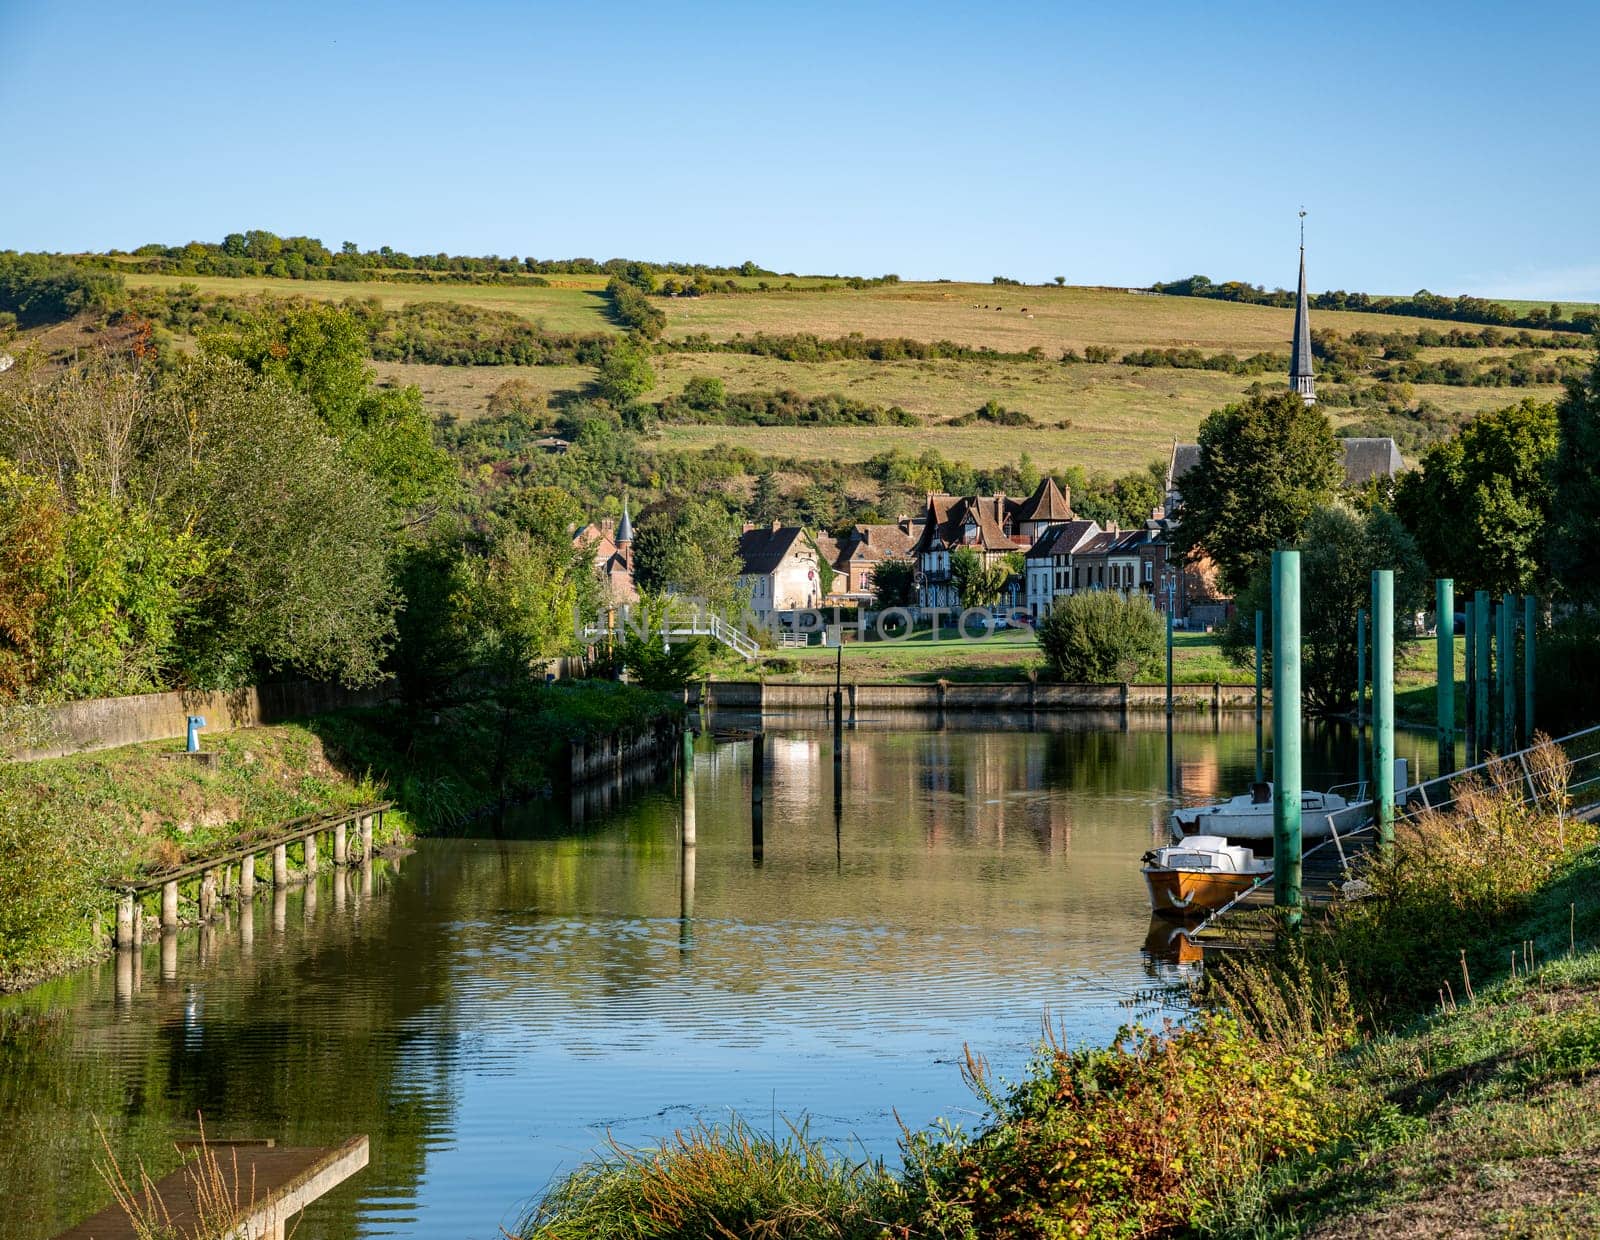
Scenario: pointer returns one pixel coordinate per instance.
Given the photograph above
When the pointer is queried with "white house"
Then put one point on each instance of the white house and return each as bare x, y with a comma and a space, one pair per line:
780, 569
1050, 561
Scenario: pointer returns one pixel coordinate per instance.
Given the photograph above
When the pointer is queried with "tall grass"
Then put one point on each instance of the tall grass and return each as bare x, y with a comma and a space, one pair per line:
728, 1182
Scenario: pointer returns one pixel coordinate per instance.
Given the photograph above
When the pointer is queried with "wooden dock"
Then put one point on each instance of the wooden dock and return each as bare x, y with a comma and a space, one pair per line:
270, 1185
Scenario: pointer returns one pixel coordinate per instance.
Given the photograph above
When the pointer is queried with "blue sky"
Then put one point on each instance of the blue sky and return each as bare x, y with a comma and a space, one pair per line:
1452, 147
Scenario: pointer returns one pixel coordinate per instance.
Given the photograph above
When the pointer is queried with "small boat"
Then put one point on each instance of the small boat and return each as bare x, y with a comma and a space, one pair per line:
1199, 875
1249, 815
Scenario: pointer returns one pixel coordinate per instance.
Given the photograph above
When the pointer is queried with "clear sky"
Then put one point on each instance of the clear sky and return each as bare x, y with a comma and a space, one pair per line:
1449, 146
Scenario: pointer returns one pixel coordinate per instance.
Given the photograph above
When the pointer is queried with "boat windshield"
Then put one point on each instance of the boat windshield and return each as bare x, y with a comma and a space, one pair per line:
1192, 861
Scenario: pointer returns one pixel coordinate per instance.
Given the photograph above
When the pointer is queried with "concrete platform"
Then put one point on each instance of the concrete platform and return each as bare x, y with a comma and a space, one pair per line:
272, 1184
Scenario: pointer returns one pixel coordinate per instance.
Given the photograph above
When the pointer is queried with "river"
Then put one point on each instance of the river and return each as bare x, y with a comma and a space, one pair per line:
487, 1010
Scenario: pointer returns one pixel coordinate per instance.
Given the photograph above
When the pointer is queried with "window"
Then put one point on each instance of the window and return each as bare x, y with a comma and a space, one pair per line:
1149, 571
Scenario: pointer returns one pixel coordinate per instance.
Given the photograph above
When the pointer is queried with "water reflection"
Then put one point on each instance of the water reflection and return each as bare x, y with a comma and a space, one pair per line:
490, 1011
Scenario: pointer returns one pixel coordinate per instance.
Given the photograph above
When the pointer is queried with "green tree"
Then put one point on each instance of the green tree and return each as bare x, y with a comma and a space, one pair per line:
1575, 477
1480, 504
31, 542
320, 351
705, 393
689, 548
1099, 636
1265, 465
1339, 550
978, 582
894, 583
625, 375
767, 499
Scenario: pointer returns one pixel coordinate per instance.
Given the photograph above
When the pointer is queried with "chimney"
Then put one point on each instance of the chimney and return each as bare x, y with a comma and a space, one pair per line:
748, 526
776, 525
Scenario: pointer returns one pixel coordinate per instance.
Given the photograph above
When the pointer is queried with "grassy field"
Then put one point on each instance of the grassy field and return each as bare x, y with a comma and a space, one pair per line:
565, 308
1121, 417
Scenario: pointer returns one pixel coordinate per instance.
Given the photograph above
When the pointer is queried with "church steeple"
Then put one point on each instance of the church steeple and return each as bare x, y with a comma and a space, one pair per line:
1301, 378
625, 527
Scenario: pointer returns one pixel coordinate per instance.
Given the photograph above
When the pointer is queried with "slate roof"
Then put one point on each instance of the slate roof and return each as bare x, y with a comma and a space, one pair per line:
1047, 503
1300, 353
1366, 459
1063, 539
870, 543
765, 547
948, 516
1115, 542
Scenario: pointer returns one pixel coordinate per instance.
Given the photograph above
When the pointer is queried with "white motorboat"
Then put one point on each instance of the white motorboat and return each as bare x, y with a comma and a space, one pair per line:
1199, 875
1249, 815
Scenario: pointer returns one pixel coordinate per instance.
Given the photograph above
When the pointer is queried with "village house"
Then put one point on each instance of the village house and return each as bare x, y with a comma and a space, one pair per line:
612, 547
855, 556
780, 569
1049, 564
992, 526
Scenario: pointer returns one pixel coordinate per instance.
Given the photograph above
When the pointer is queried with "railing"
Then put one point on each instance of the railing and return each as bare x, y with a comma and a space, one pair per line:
698, 625
216, 871
1581, 778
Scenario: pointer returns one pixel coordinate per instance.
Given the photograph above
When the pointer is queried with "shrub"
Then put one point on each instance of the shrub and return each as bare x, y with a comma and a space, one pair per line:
1099, 636
1126, 1141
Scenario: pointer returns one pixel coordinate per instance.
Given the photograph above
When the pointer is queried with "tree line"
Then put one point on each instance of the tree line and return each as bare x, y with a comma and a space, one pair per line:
1421, 305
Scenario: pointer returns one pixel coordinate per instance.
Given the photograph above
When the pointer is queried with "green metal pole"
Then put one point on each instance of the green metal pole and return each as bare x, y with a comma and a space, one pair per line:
1469, 684
1286, 733
1444, 606
1361, 695
1383, 702
1530, 626
1508, 674
1480, 687
1261, 757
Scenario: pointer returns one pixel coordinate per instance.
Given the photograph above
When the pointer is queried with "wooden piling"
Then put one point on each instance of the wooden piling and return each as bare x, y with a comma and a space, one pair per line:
1483, 619
341, 847
280, 866
208, 895
366, 837
688, 789
1444, 607
125, 920
247, 877
311, 856
169, 904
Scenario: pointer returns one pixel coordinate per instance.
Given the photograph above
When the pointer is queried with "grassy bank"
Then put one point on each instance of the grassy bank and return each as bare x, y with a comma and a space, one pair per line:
1420, 1062
69, 825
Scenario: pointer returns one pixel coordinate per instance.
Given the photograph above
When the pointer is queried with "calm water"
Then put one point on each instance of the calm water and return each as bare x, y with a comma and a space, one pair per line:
490, 1008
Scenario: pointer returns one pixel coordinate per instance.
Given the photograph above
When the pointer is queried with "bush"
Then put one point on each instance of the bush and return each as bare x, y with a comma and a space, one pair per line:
1100, 636
1127, 1141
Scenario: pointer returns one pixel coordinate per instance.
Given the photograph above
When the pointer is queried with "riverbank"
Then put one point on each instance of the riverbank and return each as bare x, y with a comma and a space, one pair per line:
1414, 1062
70, 824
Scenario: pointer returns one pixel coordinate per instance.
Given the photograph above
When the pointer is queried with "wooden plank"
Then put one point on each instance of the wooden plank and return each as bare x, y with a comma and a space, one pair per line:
271, 1184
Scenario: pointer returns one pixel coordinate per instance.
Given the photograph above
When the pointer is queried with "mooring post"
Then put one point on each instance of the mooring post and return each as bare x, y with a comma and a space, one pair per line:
1169, 666
341, 843
1469, 690
311, 855
1508, 676
208, 895
247, 878
1261, 757
1286, 733
1444, 607
169, 904
366, 837
1383, 702
758, 792
125, 919
280, 866
1361, 669
688, 788
1483, 619
1530, 626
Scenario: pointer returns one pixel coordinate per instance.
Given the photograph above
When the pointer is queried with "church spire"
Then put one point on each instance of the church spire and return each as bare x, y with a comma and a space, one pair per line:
625, 528
1301, 378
